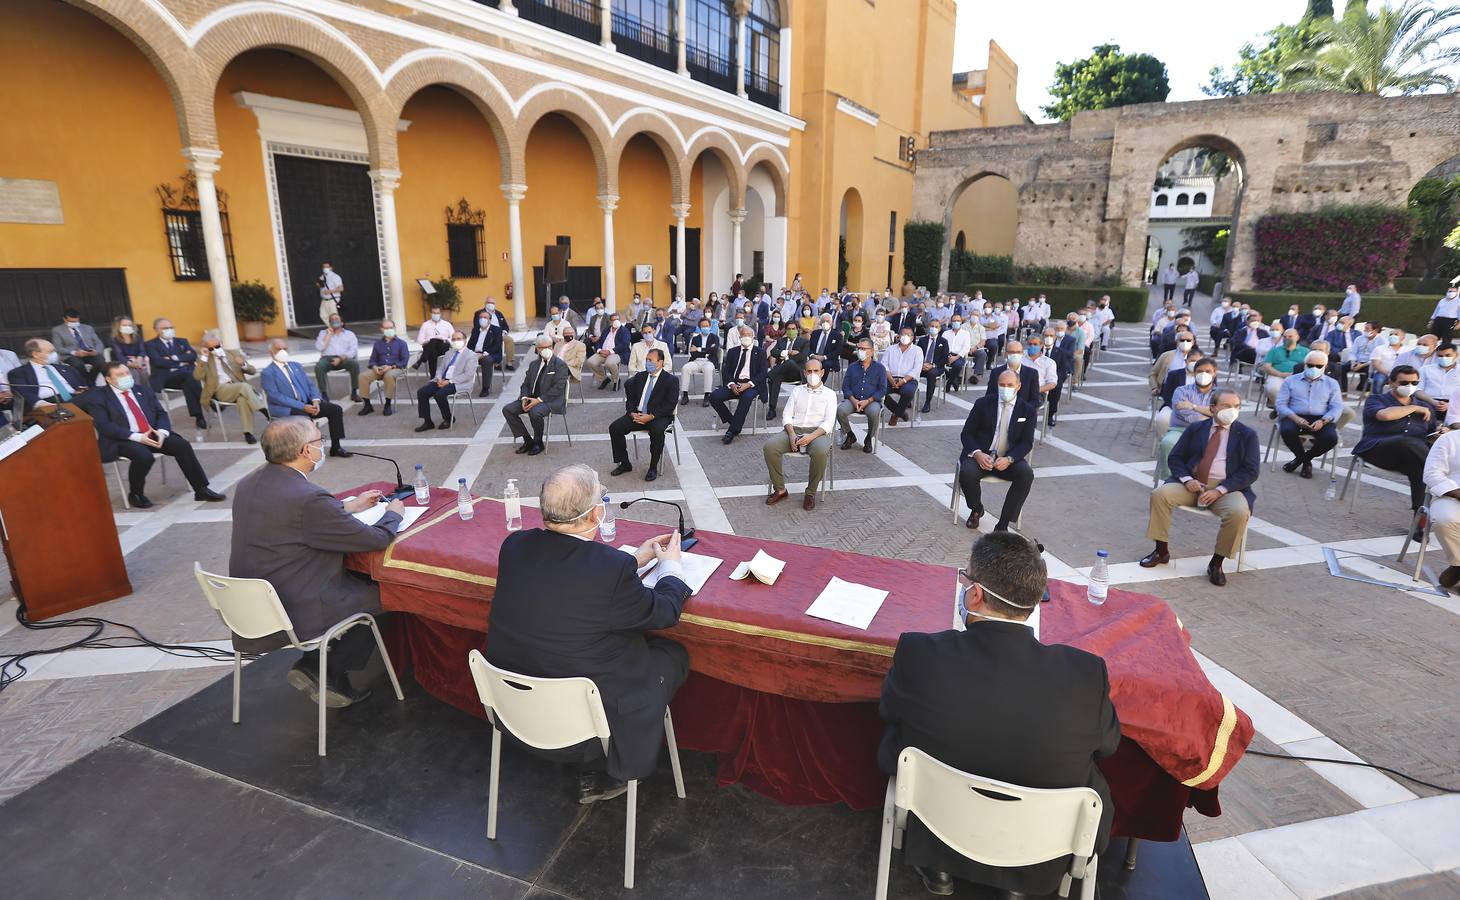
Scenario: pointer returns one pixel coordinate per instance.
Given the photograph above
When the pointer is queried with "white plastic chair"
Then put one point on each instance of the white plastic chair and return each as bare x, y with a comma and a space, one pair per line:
991, 822
251, 608
671, 430
122, 483
1424, 542
460, 397
551, 714
829, 477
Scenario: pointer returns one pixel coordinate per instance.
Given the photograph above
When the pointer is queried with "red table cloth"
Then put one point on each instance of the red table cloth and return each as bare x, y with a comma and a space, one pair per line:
788, 701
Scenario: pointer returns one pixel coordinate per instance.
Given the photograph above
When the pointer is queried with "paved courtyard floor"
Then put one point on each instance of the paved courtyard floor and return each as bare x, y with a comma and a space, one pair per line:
1325, 666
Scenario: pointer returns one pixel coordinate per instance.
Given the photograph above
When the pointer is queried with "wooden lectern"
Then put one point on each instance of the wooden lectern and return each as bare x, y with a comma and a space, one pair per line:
56, 521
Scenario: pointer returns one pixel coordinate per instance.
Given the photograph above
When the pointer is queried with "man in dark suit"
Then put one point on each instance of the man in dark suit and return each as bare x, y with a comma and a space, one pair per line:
649, 403
544, 391
989, 699
488, 329
742, 379
1028, 375
1213, 466
825, 344
997, 436
568, 606
787, 364
291, 393
79, 345
41, 380
935, 363
1244, 341
295, 534
704, 359
172, 360
131, 423
610, 350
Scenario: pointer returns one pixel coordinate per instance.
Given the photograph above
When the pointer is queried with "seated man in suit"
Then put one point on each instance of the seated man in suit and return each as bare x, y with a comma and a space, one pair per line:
571, 351
454, 377
295, 534
610, 351
997, 436
704, 358
291, 393
78, 345
492, 343
41, 381
649, 404
172, 359
1190, 403
989, 699
224, 374
1213, 466
825, 344
787, 358
559, 573
642, 347
1028, 375
806, 428
1244, 342
742, 377
934, 347
544, 391
131, 423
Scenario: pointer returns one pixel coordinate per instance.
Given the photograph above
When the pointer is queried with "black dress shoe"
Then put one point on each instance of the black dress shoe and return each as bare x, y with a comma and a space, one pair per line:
446, 423
366, 408
389, 409
604, 383
621, 469
483, 393
340, 452
354, 398
535, 449
248, 438
935, 882
1215, 574
867, 444
1292, 466
208, 495
596, 786
201, 423
771, 412
973, 518
526, 446
651, 474
849, 441
1450, 577
139, 501
926, 408
1155, 558
427, 425
705, 401
729, 436
684, 398
1307, 470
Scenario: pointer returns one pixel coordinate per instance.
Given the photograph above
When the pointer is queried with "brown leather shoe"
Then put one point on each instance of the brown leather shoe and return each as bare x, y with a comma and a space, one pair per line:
892, 422
849, 441
775, 498
808, 503
1157, 557
1215, 574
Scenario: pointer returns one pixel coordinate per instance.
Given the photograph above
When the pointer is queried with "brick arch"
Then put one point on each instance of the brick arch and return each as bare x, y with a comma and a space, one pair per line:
775, 166
422, 69
321, 44
718, 143
657, 128
159, 42
578, 108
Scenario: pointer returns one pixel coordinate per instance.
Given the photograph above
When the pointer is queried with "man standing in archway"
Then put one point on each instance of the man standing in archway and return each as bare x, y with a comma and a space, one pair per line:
1168, 281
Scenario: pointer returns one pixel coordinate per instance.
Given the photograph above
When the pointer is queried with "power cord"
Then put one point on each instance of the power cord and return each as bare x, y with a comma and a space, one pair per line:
12, 665
1349, 762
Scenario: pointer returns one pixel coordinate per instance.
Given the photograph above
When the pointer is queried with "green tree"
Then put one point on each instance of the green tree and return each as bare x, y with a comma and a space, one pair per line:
1105, 79
1395, 51
1259, 69
1433, 203
1319, 9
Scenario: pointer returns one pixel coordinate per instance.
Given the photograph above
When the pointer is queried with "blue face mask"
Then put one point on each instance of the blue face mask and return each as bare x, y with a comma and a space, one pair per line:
1032, 350
651, 366
126, 382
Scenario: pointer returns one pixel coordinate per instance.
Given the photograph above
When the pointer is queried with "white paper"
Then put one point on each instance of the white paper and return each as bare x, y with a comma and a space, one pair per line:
697, 569
763, 566
12, 444
847, 603
407, 519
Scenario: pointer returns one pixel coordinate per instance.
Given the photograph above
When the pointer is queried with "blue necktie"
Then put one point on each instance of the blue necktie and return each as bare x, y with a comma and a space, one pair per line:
450, 362
61, 390
648, 389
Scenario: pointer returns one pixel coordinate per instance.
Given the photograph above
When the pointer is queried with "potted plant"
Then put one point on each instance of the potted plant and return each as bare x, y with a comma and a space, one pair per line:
255, 306
447, 296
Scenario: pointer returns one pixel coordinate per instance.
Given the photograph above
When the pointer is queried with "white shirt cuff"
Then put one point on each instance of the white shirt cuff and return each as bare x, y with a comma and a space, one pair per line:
136, 437
669, 567
162, 432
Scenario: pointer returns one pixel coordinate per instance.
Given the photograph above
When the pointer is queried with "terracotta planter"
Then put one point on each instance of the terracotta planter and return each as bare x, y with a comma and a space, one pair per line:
253, 331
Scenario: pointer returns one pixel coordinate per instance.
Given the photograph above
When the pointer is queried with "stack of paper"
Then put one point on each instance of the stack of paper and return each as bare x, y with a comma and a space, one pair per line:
697, 569
847, 603
373, 514
764, 567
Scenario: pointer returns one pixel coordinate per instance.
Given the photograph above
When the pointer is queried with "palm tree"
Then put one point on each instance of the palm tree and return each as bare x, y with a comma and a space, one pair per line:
1395, 51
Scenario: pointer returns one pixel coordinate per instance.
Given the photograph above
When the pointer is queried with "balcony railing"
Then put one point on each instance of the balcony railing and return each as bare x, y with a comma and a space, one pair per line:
640, 40
711, 68
579, 18
763, 90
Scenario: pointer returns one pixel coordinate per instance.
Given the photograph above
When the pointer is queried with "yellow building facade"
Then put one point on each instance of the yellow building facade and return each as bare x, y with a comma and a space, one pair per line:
156, 153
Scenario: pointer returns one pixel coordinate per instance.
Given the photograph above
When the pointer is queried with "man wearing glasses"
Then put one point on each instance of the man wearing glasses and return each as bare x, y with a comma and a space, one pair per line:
1398, 427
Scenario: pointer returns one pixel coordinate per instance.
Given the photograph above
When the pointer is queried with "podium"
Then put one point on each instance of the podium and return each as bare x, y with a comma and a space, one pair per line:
56, 521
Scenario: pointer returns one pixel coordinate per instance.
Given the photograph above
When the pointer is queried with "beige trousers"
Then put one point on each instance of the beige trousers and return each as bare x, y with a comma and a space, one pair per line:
247, 398
368, 377
1445, 522
1231, 509
603, 366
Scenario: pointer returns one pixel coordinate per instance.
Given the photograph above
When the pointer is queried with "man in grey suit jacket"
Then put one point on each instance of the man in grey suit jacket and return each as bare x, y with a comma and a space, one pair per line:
544, 391
78, 344
295, 534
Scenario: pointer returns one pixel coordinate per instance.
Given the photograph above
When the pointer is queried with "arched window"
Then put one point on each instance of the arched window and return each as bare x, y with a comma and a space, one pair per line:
710, 43
1182, 200
763, 53
1199, 199
1162, 200
644, 29
960, 242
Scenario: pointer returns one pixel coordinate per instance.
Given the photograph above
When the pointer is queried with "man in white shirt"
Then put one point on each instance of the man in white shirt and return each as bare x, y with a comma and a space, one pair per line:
641, 349
434, 337
1168, 281
338, 348
1104, 318
1442, 477
604, 360
1442, 320
806, 427
1352, 301
1420, 355
1439, 384
331, 291
677, 305
1190, 280
960, 343
1383, 358
904, 364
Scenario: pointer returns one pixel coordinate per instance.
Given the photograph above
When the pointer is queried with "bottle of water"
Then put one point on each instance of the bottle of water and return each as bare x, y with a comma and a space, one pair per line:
513, 501
1332, 493
423, 487
608, 528
463, 500
1099, 579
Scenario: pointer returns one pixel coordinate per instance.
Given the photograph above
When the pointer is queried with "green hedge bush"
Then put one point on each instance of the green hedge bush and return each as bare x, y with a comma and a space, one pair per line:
1128, 303
1408, 311
922, 252
1407, 285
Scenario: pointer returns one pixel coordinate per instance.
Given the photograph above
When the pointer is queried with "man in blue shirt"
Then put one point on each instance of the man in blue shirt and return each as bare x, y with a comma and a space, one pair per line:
1308, 404
1364, 344
863, 387
1397, 427
389, 357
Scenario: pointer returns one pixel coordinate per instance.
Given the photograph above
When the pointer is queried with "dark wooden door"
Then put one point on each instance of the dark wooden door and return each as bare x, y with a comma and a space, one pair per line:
328, 209
31, 301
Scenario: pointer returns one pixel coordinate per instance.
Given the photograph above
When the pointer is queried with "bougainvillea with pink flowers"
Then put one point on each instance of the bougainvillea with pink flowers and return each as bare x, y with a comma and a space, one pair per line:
1331, 248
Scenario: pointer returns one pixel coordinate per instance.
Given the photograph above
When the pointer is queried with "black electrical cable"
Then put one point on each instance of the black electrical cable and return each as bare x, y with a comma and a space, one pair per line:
1360, 763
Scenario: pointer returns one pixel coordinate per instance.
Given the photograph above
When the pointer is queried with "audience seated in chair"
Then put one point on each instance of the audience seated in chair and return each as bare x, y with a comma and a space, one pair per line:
863, 387
1190, 403
291, 393
338, 346
79, 346
389, 357
457, 373
806, 427
544, 391
649, 405
1397, 430
224, 374
1308, 405
704, 359
997, 437
1442, 479
41, 381
610, 351
171, 360
1281, 361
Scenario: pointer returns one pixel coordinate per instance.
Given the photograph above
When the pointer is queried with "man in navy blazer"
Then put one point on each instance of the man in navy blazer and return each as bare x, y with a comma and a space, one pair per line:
742, 378
649, 405
172, 359
292, 393
1213, 466
568, 606
1028, 376
997, 436
35, 379
487, 342
131, 423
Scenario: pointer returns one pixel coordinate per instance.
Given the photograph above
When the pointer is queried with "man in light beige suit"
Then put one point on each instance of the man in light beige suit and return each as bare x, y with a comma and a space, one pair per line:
571, 351
224, 375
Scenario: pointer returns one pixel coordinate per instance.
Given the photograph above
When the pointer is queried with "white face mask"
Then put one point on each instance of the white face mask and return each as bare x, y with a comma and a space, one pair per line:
905, 340
52, 358
168, 333
1313, 372
316, 463
813, 380
861, 355
281, 356
546, 353
491, 307
1049, 341
484, 323
1013, 361
1445, 361
1227, 416
458, 345
1006, 394
128, 329
1405, 390
1184, 346
1203, 378
1421, 350
747, 342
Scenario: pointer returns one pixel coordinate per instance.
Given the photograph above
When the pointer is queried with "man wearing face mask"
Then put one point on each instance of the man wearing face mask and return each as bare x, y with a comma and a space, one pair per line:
610, 351
904, 365
491, 342
934, 347
131, 423
1360, 361
41, 381
331, 291
388, 359
1352, 302
1440, 382
1245, 342
742, 379
571, 351
1171, 359
1213, 466
960, 345
295, 534
338, 346
1397, 429
1421, 354
649, 405
458, 371
291, 393
806, 428
1028, 376
1218, 316
1281, 361
1183, 372
434, 336
787, 358
642, 347
863, 387
1442, 320
171, 359
1191, 403
224, 375
559, 574
1308, 405
825, 345
1057, 349
544, 391
1036, 358
78, 344
997, 436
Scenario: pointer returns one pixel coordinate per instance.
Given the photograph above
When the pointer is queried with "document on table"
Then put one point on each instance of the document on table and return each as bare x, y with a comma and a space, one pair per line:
847, 603
697, 569
407, 519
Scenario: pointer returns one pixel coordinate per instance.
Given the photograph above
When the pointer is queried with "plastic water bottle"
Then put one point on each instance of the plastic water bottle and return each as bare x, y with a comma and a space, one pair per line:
513, 501
463, 500
1332, 493
1099, 579
423, 487
608, 528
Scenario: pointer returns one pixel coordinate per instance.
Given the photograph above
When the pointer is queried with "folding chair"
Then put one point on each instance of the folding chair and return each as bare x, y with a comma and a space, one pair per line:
1241, 541
1424, 543
1355, 462
217, 406
668, 431
953, 506
1270, 455
251, 608
830, 478
122, 482
550, 714
547, 423
991, 822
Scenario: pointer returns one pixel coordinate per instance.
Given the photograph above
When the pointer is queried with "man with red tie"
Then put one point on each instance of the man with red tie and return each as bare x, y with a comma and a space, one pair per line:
131, 423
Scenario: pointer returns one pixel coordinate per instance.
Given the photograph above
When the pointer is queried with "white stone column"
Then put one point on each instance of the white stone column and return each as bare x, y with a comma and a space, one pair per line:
508, 7
740, 32
514, 194
681, 28
785, 73
605, 22
386, 181
203, 162
681, 212
737, 217
608, 202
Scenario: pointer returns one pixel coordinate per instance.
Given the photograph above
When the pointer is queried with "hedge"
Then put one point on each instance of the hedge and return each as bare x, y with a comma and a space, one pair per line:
1408, 311
1328, 249
922, 252
1129, 304
1435, 286
1207, 283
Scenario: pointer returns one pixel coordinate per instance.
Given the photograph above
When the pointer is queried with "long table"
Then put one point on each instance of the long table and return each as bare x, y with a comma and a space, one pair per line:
789, 702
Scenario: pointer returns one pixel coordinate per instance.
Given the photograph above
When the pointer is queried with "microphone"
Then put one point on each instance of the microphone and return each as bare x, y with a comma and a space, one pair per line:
687, 539
401, 488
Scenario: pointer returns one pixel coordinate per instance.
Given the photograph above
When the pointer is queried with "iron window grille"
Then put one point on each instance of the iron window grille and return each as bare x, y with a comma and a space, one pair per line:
182, 223
466, 242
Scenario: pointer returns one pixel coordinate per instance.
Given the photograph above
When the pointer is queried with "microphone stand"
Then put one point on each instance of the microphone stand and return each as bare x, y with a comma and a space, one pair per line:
401, 488
687, 539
